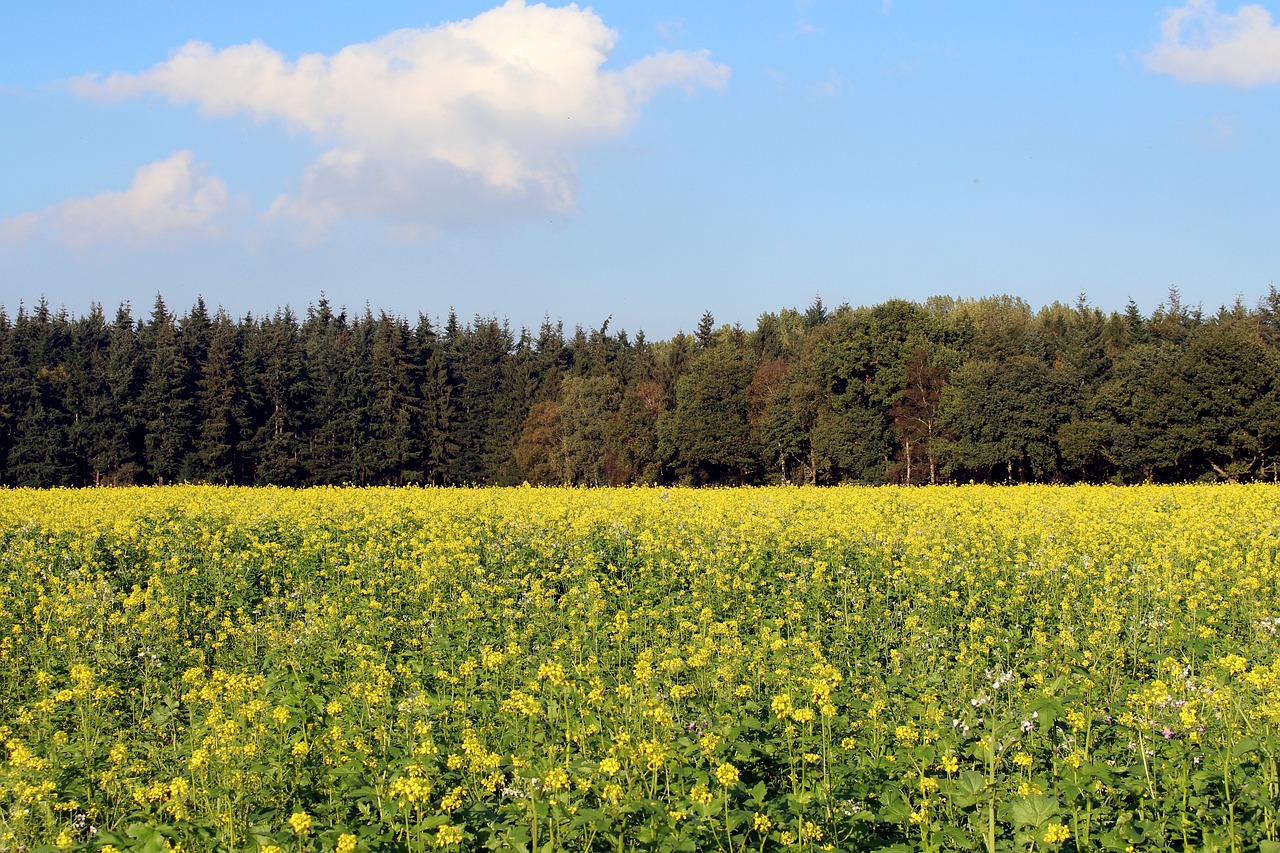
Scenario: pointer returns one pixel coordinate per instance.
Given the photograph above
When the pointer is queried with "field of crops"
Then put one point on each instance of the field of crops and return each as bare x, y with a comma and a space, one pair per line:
740, 670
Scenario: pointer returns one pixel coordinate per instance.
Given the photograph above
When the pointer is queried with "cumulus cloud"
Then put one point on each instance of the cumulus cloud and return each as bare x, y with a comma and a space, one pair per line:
466, 121
168, 199
1203, 45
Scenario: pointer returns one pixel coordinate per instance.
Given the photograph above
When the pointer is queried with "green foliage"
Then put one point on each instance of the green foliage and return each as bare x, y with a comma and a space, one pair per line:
949, 390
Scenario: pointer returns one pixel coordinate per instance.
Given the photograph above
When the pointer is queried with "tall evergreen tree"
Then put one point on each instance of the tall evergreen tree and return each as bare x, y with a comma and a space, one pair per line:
9, 395
394, 405
88, 396
488, 415
437, 445
277, 394
41, 452
218, 455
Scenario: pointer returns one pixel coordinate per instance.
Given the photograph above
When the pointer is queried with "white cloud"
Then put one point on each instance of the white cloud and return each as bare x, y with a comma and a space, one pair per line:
462, 122
832, 87
673, 30
1202, 45
168, 199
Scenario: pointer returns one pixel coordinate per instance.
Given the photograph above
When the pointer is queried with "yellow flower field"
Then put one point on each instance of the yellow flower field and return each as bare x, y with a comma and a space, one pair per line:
970, 668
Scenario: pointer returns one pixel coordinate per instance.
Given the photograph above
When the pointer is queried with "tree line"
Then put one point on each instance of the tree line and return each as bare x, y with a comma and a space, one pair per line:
951, 390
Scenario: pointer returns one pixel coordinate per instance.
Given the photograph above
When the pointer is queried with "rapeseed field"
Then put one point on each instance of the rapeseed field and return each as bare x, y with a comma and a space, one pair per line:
1034, 668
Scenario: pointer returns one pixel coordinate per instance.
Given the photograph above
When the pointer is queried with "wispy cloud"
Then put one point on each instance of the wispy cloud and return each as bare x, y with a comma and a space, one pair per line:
672, 30
1200, 44
832, 87
168, 199
469, 121
1219, 132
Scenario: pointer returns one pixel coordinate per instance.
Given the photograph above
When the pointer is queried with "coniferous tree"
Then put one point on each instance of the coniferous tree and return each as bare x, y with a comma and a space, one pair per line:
165, 403
437, 444
326, 348
9, 384
850, 395
88, 396
394, 405
276, 391
705, 334
41, 452
221, 408
486, 429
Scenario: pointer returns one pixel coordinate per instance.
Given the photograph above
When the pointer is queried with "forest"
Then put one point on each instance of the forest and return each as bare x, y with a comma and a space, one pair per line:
951, 390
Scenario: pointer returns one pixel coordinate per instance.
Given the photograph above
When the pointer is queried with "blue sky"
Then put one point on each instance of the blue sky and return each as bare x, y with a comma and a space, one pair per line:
646, 161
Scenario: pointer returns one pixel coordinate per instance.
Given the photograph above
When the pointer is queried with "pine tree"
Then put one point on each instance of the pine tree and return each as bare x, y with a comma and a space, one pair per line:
220, 407
9, 395
276, 390
394, 406
436, 445
165, 399
88, 393
41, 452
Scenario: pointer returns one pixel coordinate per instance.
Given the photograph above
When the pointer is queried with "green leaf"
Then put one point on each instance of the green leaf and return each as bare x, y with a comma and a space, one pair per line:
966, 789
1249, 744
895, 808
1034, 810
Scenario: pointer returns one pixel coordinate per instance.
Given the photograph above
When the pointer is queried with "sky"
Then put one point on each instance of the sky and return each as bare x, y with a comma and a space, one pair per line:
640, 161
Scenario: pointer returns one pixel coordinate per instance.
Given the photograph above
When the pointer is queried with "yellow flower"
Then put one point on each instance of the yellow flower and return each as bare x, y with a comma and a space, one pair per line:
726, 774
1056, 833
301, 823
447, 835
1235, 664
557, 780
453, 800
761, 823
346, 843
